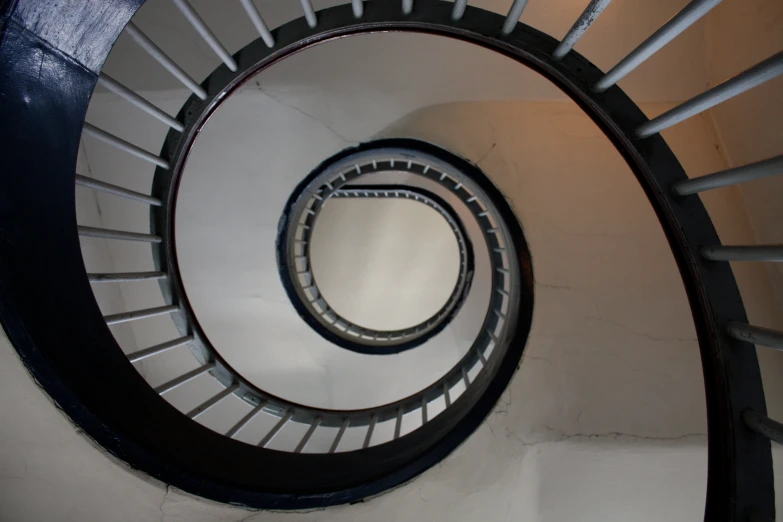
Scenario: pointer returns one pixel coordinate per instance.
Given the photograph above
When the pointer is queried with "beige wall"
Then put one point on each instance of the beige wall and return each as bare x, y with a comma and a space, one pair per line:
740, 34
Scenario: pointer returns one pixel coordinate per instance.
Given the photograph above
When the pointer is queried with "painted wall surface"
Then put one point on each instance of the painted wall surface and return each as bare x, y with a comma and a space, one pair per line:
749, 125
605, 419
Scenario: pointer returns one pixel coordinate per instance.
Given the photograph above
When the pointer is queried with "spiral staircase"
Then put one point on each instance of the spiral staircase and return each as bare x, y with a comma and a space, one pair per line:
124, 258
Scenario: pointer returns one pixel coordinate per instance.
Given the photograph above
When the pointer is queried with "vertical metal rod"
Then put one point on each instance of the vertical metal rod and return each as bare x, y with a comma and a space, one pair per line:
370, 429
446, 394
106, 233
398, 424
209, 403
465, 378
268, 437
514, 14
481, 356
108, 188
585, 20
306, 438
762, 253
423, 410
358, 8
163, 59
676, 25
724, 178
459, 9
201, 28
123, 145
125, 277
756, 335
136, 100
770, 68
339, 436
309, 13
182, 379
258, 22
763, 425
244, 421
139, 314
159, 348
407, 6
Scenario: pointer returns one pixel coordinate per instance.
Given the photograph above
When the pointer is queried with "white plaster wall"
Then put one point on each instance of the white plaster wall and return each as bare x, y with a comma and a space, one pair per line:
605, 418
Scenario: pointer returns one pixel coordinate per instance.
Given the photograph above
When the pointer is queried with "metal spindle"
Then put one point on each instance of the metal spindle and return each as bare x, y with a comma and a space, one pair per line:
339, 436
671, 29
423, 410
306, 438
585, 20
205, 32
753, 77
182, 379
244, 421
159, 348
139, 314
724, 178
163, 59
763, 253
106, 233
756, 335
258, 22
398, 424
309, 13
370, 429
407, 6
125, 277
358, 8
282, 422
209, 403
465, 378
763, 425
446, 394
130, 96
514, 14
459, 9
108, 188
123, 145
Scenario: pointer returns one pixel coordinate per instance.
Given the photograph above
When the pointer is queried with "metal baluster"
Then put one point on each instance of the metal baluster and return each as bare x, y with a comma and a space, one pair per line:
244, 421
139, 314
514, 14
459, 9
398, 424
182, 379
339, 436
159, 348
763, 425
358, 8
733, 176
753, 77
680, 22
370, 429
162, 58
108, 188
764, 253
130, 96
282, 422
309, 13
258, 22
125, 277
201, 28
123, 145
585, 20
209, 403
106, 233
306, 438
756, 335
